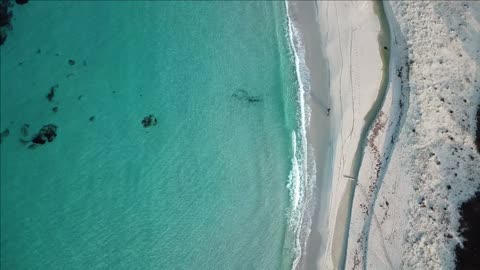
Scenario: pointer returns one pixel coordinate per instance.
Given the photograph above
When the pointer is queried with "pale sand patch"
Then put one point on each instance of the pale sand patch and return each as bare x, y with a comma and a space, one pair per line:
350, 38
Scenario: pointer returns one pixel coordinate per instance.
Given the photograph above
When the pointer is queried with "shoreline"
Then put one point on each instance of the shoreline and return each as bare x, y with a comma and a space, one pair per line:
314, 105
335, 111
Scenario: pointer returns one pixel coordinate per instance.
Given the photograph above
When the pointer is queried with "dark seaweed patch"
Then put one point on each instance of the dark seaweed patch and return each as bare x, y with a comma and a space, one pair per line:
243, 96
21, 2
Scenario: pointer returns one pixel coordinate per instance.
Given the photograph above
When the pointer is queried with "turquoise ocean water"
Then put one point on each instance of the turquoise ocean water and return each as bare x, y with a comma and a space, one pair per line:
205, 188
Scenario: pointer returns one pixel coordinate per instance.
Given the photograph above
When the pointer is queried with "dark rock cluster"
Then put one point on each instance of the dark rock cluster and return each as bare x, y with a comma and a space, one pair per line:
149, 120
46, 134
5, 17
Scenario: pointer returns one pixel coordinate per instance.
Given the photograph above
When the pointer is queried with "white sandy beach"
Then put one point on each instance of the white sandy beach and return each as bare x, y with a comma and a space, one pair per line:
344, 86
404, 208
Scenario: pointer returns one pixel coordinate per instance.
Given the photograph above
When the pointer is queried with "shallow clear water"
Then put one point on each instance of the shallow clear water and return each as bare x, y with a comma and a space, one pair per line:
205, 188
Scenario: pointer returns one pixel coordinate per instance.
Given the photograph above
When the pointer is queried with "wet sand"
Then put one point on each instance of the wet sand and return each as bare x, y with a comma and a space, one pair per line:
317, 99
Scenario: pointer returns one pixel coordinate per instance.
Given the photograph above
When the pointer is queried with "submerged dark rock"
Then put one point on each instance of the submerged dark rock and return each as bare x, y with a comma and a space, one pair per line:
51, 93
92, 118
149, 120
21, 2
55, 109
5, 17
244, 96
71, 62
46, 134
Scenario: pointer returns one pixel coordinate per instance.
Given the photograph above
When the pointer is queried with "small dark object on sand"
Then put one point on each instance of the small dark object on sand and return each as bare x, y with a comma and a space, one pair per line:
51, 93
71, 62
55, 109
46, 134
91, 118
385, 47
21, 2
149, 121
24, 130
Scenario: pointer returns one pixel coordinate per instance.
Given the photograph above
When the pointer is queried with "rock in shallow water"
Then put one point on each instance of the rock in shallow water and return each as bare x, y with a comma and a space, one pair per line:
5, 17
148, 121
46, 134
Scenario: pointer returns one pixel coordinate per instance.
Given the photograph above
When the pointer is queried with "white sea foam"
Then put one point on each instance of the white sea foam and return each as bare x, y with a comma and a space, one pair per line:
303, 169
